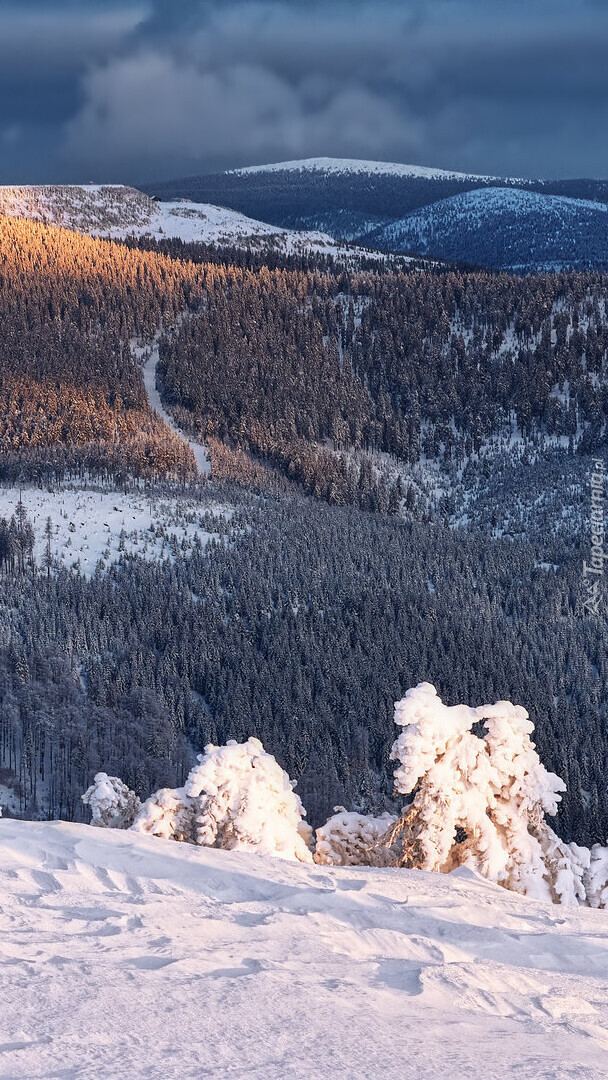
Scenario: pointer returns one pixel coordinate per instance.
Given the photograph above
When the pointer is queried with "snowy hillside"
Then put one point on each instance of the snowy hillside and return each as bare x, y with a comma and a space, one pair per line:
505, 228
361, 201
340, 166
115, 211
89, 526
128, 956
108, 209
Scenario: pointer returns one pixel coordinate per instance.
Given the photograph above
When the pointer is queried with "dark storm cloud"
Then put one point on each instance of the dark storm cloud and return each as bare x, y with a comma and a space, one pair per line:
44, 54
164, 87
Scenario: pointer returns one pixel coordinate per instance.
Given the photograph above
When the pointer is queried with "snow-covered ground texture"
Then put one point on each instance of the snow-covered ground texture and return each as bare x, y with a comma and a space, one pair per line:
116, 211
342, 166
505, 228
90, 526
127, 956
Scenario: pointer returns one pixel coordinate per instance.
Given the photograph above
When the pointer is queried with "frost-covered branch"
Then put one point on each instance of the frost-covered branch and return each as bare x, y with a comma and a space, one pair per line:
350, 839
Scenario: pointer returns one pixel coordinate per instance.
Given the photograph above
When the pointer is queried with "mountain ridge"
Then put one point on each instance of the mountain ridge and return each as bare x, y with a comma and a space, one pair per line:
504, 229
354, 200
356, 165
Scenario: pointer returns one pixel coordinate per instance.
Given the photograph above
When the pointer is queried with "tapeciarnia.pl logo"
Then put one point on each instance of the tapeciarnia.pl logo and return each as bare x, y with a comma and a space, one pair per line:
593, 571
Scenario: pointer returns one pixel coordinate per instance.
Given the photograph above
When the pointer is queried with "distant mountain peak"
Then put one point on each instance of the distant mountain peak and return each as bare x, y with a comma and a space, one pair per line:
365, 202
354, 165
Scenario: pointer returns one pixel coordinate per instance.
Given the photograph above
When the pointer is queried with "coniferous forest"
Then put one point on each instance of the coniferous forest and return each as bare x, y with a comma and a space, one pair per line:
405, 453
303, 540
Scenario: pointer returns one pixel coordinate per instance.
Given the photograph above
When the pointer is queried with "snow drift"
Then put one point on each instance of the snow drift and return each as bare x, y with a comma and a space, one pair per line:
126, 956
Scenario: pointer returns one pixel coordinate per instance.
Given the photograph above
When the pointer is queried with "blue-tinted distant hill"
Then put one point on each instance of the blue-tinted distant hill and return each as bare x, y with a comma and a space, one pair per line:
506, 229
351, 199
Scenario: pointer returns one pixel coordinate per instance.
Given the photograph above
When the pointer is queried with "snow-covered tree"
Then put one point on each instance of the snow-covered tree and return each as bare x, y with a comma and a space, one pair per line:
478, 796
596, 877
245, 800
350, 839
112, 804
445, 765
480, 800
169, 813
539, 863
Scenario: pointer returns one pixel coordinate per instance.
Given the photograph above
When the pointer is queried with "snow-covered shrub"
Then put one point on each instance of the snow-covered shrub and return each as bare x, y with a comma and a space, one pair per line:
246, 801
540, 864
596, 877
481, 801
566, 867
350, 839
112, 804
475, 799
169, 813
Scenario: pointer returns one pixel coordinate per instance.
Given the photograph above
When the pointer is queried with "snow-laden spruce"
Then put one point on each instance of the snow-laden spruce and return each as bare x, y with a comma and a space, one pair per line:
237, 797
246, 800
169, 814
112, 804
481, 800
596, 877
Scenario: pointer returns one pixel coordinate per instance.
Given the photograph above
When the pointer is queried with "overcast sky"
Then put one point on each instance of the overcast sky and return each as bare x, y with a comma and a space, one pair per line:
128, 90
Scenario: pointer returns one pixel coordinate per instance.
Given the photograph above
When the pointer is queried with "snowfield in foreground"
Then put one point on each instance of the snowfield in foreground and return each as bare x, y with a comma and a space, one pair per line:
127, 956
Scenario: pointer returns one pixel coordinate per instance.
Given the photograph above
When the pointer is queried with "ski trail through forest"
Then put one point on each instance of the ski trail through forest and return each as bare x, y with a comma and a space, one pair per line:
150, 360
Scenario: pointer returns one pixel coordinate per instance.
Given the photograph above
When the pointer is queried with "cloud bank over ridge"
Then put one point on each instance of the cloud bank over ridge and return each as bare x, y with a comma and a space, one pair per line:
147, 90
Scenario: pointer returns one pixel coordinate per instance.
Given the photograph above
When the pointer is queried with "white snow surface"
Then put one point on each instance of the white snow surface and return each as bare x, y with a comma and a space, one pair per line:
348, 165
201, 456
123, 955
117, 211
89, 525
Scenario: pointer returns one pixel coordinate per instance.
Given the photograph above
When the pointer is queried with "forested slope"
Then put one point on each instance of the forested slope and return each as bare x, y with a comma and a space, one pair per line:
71, 394
302, 630
504, 228
308, 620
302, 368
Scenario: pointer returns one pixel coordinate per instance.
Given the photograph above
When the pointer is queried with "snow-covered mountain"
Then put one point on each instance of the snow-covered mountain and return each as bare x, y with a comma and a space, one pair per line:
357, 200
124, 955
341, 166
504, 228
118, 211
